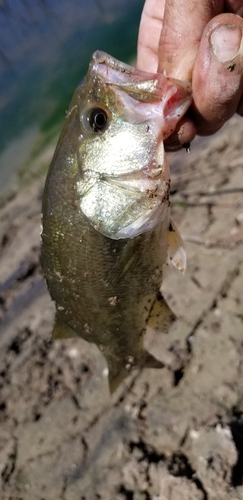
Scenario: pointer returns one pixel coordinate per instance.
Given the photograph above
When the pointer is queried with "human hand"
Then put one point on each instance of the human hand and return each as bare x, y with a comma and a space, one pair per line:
201, 41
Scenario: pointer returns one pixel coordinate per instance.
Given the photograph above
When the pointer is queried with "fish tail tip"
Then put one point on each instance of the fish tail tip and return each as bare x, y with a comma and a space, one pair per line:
151, 362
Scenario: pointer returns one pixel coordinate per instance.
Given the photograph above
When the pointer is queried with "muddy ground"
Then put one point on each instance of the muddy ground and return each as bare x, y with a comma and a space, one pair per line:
170, 434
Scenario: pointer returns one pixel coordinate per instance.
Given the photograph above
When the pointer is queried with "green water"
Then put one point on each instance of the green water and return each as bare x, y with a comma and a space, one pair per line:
45, 55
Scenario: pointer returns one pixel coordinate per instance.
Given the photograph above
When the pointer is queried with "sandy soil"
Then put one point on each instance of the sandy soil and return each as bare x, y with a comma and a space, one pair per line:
170, 434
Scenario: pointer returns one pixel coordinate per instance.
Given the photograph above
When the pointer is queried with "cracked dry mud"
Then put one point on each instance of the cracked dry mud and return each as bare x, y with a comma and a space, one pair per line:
170, 434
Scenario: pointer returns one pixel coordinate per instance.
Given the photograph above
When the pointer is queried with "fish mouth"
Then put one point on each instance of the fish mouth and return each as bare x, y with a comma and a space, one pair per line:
139, 84
146, 94
147, 86
122, 199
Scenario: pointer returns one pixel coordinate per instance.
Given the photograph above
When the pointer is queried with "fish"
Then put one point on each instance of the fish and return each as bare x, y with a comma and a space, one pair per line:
106, 225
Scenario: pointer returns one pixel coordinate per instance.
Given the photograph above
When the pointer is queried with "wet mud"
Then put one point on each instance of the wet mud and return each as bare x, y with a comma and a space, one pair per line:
169, 434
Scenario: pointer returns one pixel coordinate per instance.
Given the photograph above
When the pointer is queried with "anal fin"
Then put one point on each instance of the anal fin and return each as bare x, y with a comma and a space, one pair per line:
62, 331
161, 317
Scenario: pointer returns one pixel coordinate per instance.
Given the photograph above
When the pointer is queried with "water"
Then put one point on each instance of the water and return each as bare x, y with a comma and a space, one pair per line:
45, 48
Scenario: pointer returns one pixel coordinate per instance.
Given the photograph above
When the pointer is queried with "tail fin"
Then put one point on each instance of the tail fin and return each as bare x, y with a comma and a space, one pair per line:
118, 374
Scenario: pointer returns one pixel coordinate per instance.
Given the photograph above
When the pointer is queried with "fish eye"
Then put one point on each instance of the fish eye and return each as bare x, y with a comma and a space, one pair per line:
97, 119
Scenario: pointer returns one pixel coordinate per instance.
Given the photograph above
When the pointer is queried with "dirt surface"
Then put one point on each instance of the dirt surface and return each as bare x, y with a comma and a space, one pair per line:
170, 434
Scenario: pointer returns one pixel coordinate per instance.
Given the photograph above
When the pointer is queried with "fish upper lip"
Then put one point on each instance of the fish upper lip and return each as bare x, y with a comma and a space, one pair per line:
146, 85
140, 89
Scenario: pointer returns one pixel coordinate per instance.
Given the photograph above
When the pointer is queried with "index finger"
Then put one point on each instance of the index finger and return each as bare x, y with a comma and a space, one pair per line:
149, 35
183, 26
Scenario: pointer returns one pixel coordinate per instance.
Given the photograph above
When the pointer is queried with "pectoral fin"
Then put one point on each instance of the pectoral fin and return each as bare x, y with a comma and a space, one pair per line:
62, 331
161, 317
176, 249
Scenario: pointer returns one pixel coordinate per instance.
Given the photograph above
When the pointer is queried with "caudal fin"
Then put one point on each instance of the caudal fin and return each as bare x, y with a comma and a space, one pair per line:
116, 380
118, 375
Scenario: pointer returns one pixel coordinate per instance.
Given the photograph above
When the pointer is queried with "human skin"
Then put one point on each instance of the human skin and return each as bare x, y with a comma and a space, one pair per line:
200, 41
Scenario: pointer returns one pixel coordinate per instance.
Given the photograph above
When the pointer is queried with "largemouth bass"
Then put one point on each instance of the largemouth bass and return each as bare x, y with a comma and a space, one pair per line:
106, 219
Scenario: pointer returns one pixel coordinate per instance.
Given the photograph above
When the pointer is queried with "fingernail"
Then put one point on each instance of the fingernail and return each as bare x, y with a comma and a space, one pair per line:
225, 42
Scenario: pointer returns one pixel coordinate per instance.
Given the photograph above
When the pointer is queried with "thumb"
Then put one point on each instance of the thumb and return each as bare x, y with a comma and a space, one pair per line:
218, 74
183, 26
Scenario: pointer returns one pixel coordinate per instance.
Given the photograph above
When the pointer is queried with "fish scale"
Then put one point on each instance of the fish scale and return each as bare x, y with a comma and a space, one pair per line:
106, 218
